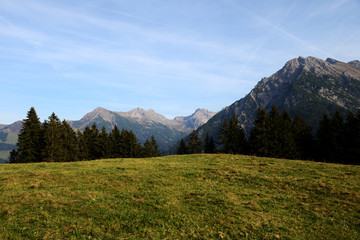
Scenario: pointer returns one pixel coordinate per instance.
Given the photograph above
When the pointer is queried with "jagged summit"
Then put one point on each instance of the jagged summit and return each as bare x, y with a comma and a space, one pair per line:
307, 86
99, 112
198, 118
355, 64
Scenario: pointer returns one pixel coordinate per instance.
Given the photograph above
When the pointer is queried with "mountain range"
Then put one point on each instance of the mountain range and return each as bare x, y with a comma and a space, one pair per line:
143, 123
305, 86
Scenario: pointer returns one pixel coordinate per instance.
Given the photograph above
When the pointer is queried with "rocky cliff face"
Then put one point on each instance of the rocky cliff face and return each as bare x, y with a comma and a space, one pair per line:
306, 86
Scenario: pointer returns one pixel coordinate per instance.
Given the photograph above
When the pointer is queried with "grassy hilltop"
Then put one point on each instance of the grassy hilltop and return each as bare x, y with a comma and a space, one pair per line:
180, 197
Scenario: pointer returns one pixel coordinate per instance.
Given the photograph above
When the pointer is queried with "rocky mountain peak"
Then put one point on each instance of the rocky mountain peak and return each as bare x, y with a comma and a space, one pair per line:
198, 118
142, 116
99, 112
355, 64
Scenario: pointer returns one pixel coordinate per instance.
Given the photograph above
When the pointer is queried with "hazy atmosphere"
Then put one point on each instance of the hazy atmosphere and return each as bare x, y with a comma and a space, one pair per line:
70, 57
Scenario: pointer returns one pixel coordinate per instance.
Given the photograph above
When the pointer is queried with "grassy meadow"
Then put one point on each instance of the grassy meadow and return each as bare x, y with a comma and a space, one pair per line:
180, 197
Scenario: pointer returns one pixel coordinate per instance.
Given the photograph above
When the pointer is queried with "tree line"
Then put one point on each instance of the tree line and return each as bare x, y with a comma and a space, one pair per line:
56, 141
277, 135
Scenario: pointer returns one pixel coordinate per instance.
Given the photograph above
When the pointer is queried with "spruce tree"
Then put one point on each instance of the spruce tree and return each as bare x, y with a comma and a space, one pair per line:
232, 136
304, 140
337, 137
194, 144
71, 147
287, 138
53, 150
30, 140
104, 143
224, 136
83, 153
324, 139
115, 139
259, 142
209, 144
182, 148
352, 139
154, 146
151, 148
274, 133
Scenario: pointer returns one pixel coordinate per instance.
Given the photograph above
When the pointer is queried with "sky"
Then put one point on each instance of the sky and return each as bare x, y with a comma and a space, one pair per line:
173, 56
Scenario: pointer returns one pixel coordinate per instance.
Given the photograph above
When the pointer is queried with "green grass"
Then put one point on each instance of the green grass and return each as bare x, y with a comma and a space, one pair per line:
180, 197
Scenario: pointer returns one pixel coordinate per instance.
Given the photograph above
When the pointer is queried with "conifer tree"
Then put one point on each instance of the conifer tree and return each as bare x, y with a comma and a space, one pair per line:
287, 138
182, 148
352, 139
233, 136
324, 139
71, 147
13, 155
91, 136
259, 142
209, 144
337, 137
30, 140
53, 150
194, 144
83, 153
154, 146
304, 140
224, 136
95, 147
115, 139
104, 143
274, 133
151, 148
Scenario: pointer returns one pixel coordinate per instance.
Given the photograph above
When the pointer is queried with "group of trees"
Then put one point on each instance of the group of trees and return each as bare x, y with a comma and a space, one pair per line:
56, 141
277, 135
335, 140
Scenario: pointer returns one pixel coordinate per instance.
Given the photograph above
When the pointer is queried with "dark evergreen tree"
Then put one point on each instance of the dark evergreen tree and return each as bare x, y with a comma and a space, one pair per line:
182, 148
129, 144
155, 147
83, 153
116, 142
224, 136
151, 148
337, 137
13, 155
71, 147
53, 150
324, 139
274, 133
104, 143
304, 139
287, 139
209, 144
232, 136
30, 139
259, 142
91, 136
352, 139
194, 144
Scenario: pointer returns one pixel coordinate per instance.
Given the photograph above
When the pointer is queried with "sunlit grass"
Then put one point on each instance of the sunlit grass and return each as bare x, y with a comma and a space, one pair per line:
180, 197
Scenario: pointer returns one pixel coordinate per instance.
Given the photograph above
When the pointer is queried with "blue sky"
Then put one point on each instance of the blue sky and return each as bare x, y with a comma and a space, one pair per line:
173, 56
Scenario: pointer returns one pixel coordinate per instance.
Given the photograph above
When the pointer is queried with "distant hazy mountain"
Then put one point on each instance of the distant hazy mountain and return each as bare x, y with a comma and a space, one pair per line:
8, 138
305, 86
145, 123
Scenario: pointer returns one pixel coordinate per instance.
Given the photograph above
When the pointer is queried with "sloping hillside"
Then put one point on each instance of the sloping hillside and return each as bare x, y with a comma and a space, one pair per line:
180, 197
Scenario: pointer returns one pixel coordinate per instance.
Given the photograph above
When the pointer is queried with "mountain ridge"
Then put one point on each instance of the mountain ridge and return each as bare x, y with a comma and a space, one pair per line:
306, 86
143, 123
